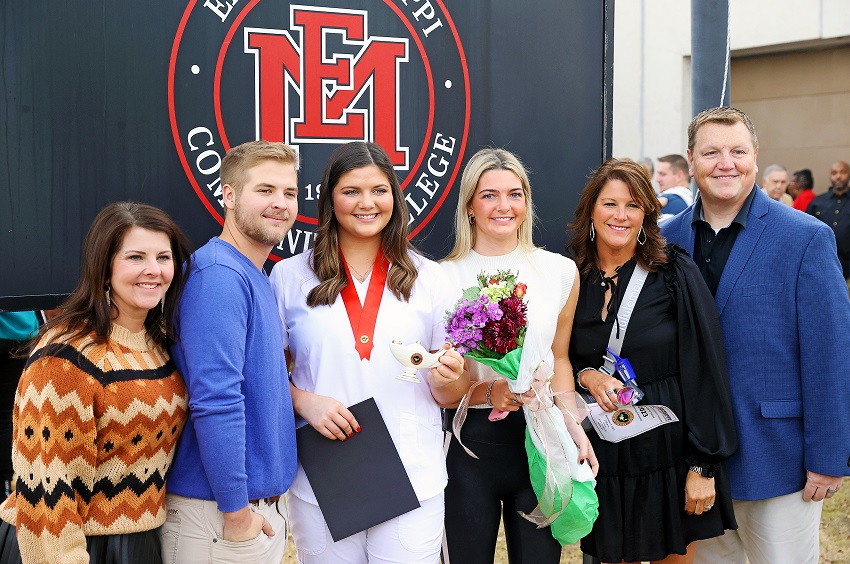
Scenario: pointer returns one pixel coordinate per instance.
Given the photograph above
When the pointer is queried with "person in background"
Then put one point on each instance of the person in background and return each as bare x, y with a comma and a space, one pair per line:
341, 305
832, 208
16, 328
100, 406
664, 489
801, 189
774, 183
237, 456
493, 228
646, 163
674, 185
784, 310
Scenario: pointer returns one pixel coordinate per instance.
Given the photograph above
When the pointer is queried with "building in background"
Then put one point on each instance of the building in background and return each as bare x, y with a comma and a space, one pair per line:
790, 71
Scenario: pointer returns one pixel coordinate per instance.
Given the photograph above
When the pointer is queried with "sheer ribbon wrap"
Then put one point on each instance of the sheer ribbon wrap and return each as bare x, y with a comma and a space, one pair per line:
567, 501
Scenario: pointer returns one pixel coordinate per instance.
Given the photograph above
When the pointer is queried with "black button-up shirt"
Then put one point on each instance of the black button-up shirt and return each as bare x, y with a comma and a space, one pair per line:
835, 212
712, 250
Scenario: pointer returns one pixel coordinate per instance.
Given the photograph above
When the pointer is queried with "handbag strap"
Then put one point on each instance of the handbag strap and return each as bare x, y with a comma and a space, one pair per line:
615, 343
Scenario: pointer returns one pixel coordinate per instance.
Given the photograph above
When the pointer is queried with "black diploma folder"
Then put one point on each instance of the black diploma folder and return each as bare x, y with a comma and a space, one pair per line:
360, 482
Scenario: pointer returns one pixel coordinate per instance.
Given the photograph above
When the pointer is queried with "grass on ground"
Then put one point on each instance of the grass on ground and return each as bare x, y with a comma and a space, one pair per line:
834, 536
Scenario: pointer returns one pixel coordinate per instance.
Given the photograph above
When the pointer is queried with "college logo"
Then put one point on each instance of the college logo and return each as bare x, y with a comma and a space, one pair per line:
622, 417
315, 75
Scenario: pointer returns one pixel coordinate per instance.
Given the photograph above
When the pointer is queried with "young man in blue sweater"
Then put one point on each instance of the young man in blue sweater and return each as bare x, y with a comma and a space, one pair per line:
237, 454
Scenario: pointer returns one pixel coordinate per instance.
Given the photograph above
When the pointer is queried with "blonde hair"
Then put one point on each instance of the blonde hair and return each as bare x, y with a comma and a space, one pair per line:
483, 161
723, 115
248, 155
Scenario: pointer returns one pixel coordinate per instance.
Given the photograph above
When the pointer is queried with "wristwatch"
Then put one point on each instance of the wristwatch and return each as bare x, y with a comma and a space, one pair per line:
704, 472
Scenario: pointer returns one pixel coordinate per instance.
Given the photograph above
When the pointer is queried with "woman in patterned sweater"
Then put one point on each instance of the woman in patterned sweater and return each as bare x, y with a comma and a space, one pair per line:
100, 406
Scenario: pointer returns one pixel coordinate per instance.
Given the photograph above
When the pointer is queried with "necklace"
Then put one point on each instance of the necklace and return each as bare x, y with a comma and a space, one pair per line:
361, 277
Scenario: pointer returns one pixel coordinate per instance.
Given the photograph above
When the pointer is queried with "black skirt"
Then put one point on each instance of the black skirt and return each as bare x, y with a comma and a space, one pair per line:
129, 548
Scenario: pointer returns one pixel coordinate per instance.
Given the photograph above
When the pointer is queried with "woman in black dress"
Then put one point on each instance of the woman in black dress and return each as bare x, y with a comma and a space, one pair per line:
664, 489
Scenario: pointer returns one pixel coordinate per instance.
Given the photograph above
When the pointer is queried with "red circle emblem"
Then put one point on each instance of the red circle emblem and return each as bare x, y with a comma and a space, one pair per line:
315, 75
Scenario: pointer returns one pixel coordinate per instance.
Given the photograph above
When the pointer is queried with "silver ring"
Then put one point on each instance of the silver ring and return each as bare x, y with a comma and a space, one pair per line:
829, 491
516, 398
609, 392
707, 507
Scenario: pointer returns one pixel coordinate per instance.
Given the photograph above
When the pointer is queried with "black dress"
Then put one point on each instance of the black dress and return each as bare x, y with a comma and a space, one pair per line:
676, 349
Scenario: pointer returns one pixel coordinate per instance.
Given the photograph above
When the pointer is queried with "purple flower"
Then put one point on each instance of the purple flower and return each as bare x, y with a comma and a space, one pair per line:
484, 326
494, 312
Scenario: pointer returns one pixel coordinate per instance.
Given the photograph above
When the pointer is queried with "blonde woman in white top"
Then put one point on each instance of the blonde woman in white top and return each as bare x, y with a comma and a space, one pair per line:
493, 226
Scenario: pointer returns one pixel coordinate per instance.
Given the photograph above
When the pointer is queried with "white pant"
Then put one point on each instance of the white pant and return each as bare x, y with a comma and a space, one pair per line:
412, 538
778, 530
192, 534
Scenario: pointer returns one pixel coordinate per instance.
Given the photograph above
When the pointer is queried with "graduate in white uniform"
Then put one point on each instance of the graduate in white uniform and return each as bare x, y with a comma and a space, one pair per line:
342, 303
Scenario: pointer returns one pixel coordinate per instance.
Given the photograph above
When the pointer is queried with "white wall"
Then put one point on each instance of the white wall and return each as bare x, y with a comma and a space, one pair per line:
652, 94
758, 23
651, 40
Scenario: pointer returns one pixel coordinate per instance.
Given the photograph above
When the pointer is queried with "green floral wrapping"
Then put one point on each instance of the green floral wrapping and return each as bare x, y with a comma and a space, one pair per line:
582, 506
576, 519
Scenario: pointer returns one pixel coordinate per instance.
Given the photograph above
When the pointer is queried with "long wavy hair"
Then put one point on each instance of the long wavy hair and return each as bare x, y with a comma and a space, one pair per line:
650, 255
86, 312
483, 161
326, 263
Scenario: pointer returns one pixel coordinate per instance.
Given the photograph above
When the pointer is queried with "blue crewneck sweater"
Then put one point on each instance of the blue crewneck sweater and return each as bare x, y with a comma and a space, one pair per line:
239, 442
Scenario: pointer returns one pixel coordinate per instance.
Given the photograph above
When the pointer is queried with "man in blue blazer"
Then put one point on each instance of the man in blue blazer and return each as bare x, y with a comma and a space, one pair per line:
785, 315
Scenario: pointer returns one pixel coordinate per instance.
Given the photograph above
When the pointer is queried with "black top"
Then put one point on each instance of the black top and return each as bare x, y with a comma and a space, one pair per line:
675, 346
834, 211
712, 250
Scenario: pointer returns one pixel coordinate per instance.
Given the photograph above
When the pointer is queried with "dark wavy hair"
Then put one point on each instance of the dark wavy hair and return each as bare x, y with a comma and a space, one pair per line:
649, 255
326, 262
85, 312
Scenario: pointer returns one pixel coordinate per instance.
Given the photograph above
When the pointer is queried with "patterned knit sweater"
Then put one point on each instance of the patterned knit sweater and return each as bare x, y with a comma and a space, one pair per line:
95, 427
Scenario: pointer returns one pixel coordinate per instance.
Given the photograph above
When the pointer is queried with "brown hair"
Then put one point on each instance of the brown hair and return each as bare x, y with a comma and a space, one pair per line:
326, 263
247, 155
86, 312
723, 115
677, 163
650, 255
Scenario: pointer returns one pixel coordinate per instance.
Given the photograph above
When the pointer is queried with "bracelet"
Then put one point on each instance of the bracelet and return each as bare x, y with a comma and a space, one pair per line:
578, 377
489, 389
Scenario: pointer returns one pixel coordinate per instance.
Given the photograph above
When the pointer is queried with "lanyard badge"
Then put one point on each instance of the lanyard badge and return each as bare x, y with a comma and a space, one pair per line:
623, 368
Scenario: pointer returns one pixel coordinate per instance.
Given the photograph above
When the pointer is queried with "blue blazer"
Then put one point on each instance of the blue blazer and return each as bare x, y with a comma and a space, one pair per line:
785, 315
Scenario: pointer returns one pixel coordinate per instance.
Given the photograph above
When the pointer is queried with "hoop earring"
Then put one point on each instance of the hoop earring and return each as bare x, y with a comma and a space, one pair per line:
592, 232
471, 219
108, 299
639, 234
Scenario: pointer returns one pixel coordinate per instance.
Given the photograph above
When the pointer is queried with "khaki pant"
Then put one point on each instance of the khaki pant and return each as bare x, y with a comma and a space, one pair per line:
778, 530
192, 534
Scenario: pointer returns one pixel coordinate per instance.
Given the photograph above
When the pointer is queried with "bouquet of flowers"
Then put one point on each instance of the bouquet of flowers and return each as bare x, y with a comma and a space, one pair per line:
489, 322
